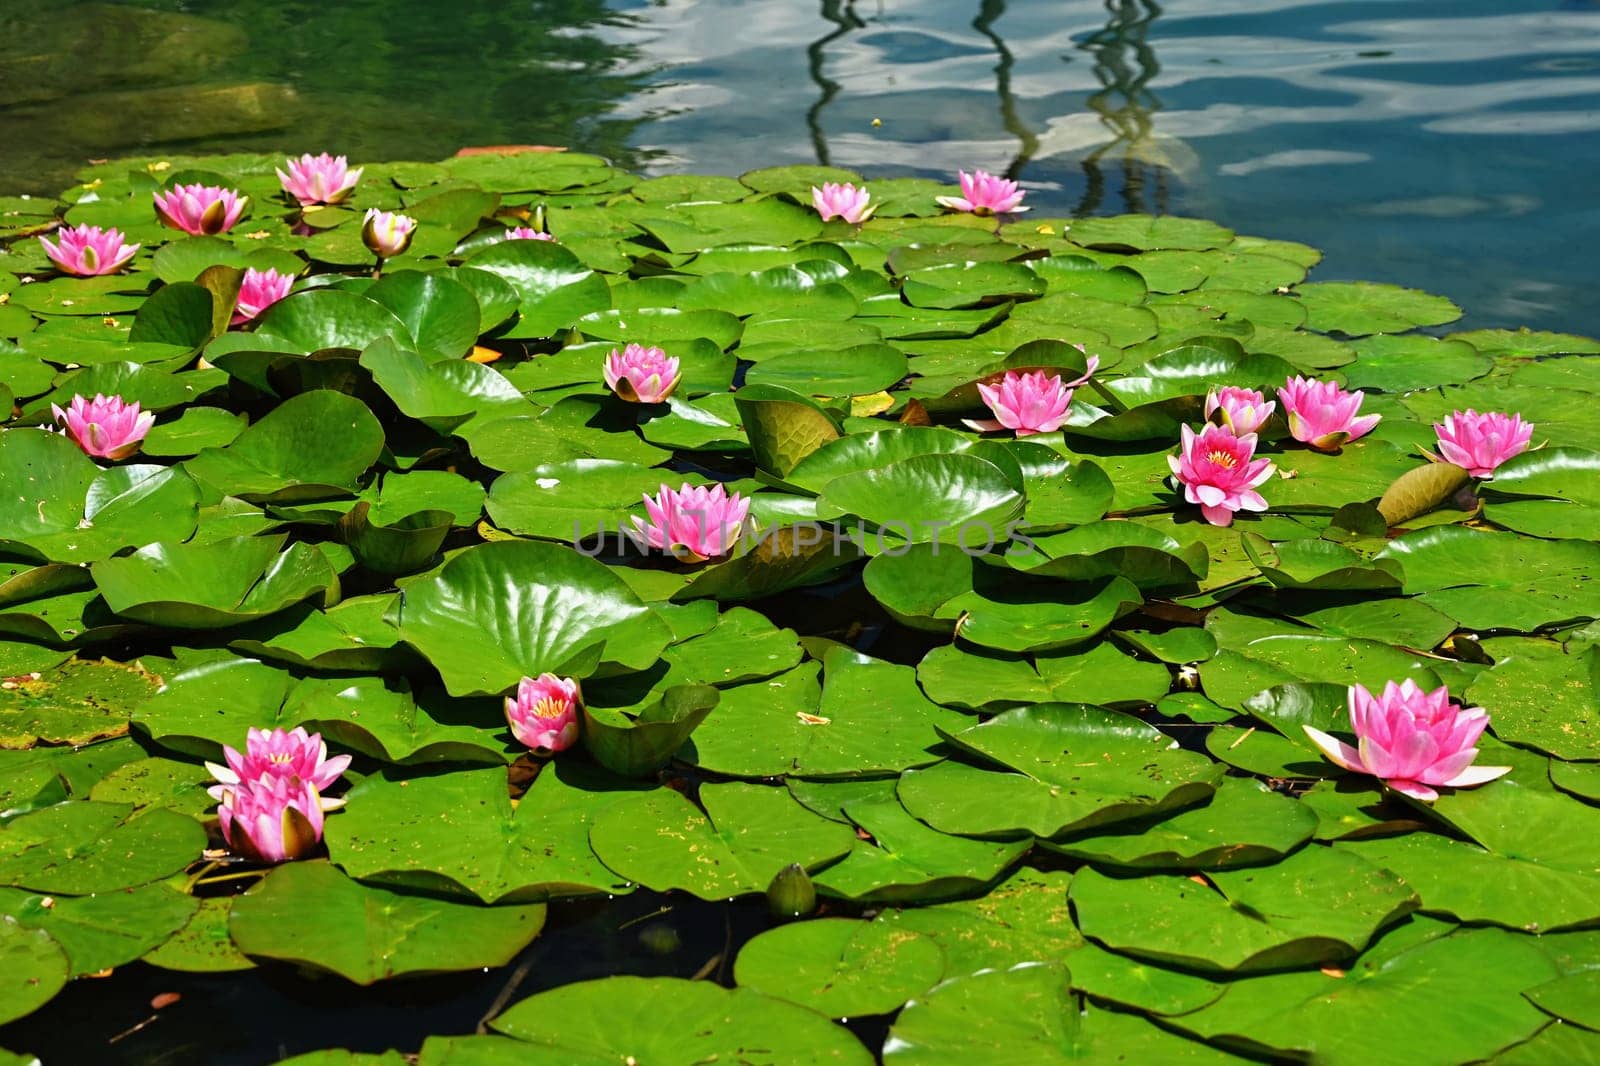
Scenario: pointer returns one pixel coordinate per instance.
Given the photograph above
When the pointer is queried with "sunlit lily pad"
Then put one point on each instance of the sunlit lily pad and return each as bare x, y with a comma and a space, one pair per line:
310, 913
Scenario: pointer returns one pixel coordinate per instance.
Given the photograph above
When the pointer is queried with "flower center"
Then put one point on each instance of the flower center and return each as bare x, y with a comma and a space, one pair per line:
281, 758
549, 707
1218, 457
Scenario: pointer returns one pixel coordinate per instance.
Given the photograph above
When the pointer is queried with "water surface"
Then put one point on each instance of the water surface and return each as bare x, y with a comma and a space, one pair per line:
1449, 146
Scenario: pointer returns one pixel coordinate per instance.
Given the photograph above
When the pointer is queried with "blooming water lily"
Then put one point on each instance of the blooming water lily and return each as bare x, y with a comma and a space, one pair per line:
1322, 414
1411, 740
983, 193
1219, 471
1242, 410
200, 210
319, 179
692, 522
105, 427
842, 200
1030, 402
271, 804
259, 290
642, 375
1480, 443
89, 251
544, 712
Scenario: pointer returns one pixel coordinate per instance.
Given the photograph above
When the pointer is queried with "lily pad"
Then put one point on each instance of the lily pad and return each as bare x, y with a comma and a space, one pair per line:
309, 913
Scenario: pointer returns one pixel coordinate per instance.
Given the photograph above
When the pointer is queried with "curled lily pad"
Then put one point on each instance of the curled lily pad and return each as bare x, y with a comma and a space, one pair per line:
209, 586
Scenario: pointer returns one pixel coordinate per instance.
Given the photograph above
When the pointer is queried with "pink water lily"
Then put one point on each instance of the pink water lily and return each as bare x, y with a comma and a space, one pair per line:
89, 251
272, 820
271, 803
200, 210
259, 290
1411, 740
1243, 410
1029, 403
526, 233
319, 179
279, 753
1323, 415
104, 427
544, 712
1480, 443
842, 200
983, 193
387, 233
1217, 470
642, 375
692, 522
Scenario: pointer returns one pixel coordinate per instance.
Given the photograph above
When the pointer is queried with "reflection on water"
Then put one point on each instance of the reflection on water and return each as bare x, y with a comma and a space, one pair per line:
1450, 146
1125, 65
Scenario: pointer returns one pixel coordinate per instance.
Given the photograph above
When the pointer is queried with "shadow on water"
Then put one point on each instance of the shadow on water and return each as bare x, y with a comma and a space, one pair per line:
94, 79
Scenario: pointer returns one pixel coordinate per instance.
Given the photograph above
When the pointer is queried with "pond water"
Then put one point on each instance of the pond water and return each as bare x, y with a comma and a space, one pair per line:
1449, 146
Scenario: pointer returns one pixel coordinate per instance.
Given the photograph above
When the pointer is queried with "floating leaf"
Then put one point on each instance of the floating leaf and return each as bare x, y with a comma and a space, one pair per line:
310, 913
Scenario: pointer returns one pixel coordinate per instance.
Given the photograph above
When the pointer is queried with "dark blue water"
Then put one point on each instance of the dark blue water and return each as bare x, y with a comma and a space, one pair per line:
1451, 146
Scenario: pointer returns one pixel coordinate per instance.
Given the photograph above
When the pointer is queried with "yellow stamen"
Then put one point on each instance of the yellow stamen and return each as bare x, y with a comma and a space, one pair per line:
1221, 458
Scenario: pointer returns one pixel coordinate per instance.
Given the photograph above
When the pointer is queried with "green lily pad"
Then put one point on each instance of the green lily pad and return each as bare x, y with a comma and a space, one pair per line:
906, 860
746, 834
102, 931
203, 945
1022, 919
34, 966
309, 913
311, 446
1074, 767
499, 612
616, 1018
80, 848
1244, 824
458, 832
210, 586
1357, 308
840, 967
74, 703
1028, 1011
1471, 981
1315, 907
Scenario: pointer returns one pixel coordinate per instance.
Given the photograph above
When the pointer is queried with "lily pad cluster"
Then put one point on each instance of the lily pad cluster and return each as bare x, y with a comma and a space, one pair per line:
1011, 727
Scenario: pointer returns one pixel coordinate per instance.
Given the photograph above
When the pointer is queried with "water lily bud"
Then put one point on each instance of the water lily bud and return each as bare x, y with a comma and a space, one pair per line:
387, 233
791, 893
